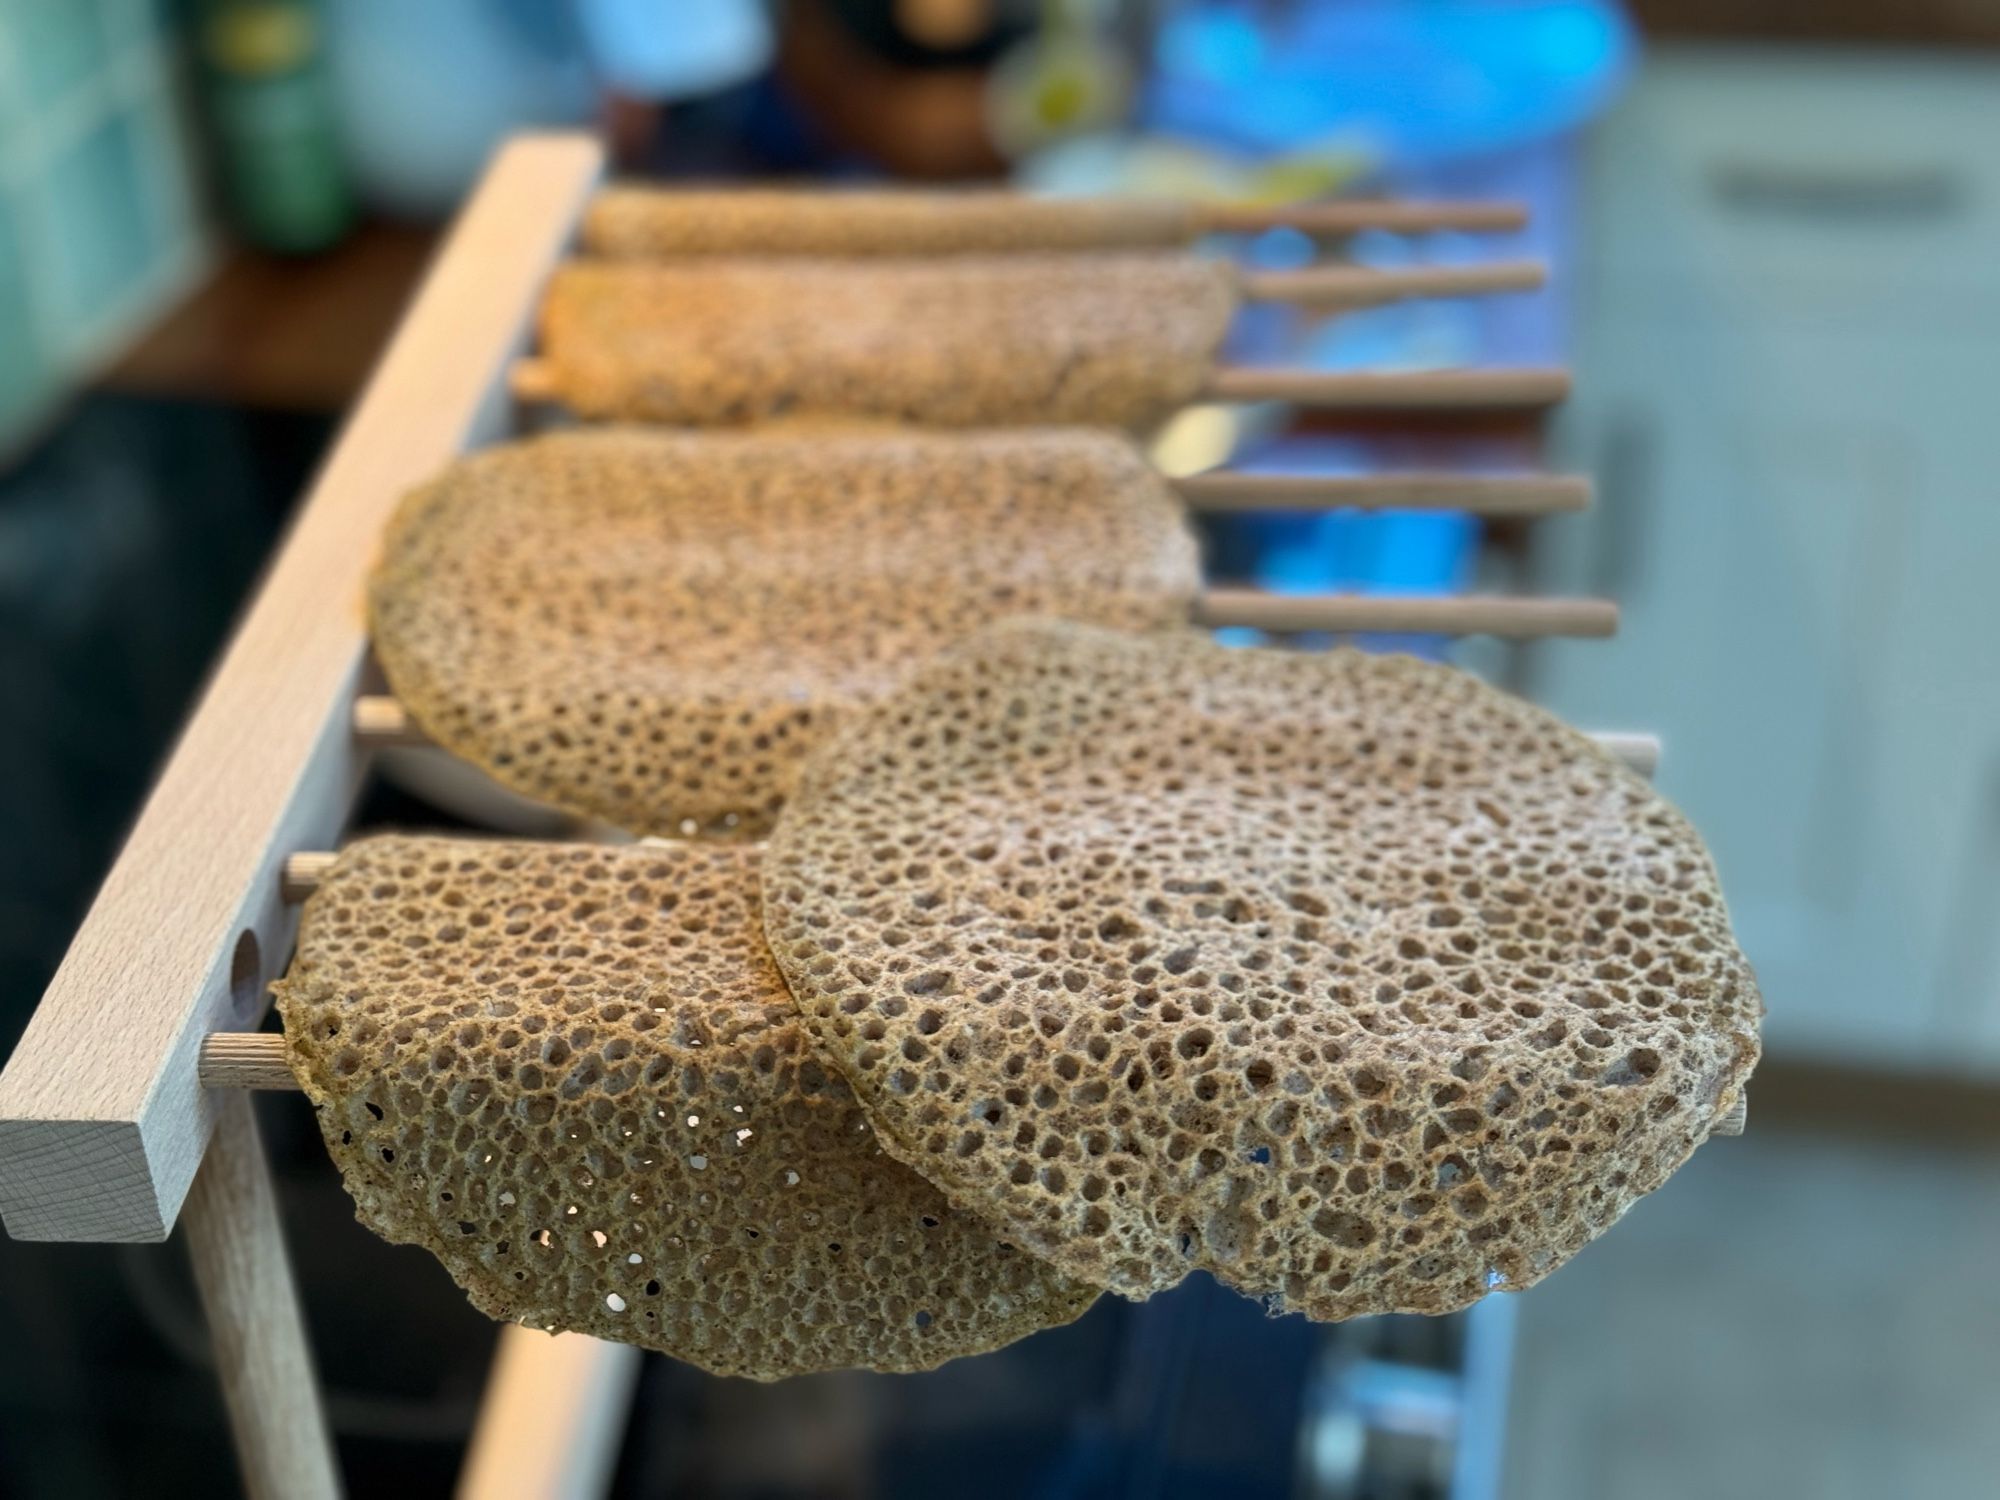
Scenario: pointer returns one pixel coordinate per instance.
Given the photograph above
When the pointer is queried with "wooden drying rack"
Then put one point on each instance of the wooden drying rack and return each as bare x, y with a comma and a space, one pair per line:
124, 1109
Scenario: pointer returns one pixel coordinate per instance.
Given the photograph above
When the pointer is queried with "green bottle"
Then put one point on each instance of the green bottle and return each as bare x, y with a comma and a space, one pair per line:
276, 143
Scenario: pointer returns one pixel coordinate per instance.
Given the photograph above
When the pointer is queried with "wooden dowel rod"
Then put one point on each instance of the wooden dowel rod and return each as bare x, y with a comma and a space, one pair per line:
533, 381
1481, 494
1341, 216
301, 874
552, 1417
1362, 286
257, 1061
1392, 390
381, 722
248, 1059
1639, 751
245, 1279
384, 723
1493, 614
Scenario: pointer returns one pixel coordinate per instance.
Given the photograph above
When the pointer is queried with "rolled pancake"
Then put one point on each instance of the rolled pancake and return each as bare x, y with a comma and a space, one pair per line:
1347, 978
572, 1074
656, 223
653, 628
1094, 340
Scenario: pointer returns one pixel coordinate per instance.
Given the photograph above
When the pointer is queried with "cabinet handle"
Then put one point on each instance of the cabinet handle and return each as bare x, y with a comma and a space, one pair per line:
1627, 473
1920, 193
1969, 973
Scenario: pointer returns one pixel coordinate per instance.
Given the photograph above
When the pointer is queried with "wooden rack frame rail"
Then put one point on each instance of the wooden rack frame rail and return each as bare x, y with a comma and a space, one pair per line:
105, 1131
125, 1107
384, 724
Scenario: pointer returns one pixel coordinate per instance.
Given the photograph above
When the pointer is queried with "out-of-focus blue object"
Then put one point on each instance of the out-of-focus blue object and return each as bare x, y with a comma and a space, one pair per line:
1418, 81
425, 91
1355, 551
1343, 551
675, 49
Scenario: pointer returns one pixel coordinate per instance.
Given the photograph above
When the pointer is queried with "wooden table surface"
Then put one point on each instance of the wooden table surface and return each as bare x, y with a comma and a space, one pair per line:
276, 331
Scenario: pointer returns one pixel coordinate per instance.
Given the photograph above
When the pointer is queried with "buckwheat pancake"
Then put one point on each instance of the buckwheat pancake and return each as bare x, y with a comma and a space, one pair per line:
1060, 340
653, 628
635, 222
572, 1074
1345, 977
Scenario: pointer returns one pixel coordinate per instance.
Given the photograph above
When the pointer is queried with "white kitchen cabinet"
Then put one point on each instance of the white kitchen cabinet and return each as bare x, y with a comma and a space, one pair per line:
1789, 388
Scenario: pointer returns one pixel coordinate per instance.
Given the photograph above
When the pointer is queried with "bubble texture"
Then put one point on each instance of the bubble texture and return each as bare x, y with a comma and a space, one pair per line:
1345, 977
654, 628
572, 1074
1095, 340
645, 222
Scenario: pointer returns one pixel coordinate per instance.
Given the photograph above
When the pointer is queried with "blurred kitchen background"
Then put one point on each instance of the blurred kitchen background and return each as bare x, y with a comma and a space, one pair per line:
1775, 228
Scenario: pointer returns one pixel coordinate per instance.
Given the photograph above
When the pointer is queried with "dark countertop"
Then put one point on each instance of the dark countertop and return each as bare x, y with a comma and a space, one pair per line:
130, 537
270, 331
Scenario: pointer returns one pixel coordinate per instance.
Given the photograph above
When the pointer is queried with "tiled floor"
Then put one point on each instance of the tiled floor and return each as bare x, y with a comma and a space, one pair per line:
1798, 1313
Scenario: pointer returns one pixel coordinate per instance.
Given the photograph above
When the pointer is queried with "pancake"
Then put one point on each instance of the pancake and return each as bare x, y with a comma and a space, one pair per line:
1093, 340
572, 1074
653, 628
1347, 978
651, 223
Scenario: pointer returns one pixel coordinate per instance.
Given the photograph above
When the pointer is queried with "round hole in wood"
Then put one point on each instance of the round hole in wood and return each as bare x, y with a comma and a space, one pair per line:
246, 969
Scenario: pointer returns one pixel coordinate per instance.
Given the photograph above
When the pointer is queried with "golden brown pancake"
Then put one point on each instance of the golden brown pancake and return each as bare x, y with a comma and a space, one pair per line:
1056, 340
572, 1074
1347, 978
652, 223
653, 628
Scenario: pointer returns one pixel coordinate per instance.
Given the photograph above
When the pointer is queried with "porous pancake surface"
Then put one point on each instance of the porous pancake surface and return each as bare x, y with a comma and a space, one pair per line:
652, 628
573, 1075
641, 222
1345, 977
1099, 340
